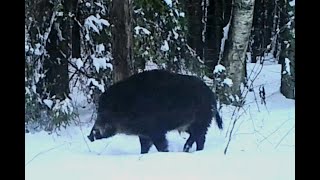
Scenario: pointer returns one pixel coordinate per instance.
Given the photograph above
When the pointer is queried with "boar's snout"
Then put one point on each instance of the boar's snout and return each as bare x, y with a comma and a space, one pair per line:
95, 134
91, 137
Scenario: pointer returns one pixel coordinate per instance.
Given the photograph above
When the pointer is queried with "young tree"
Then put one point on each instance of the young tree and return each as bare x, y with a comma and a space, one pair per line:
48, 29
160, 38
91, 72
236, 45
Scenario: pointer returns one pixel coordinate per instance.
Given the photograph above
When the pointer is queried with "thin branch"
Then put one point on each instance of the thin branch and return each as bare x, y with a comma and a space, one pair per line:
274, 131
77, 69
104, 148
284, 136
243, 95
83, 136
43, 153
259, 133
234, 123
244, 112
255, 99
233, 113
46, 34
253, 125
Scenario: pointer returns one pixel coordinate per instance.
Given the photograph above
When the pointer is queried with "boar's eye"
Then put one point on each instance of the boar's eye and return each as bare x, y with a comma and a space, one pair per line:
97, 134
107, 126
94, 131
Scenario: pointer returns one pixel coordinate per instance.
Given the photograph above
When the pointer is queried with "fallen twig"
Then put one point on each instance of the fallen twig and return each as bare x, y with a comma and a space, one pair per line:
43, 153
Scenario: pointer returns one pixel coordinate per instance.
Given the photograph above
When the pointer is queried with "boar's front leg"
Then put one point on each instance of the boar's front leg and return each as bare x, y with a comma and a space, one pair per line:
145, 143
189, 142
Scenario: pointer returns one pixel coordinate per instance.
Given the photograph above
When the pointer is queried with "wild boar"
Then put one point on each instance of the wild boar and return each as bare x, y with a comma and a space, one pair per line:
151, 103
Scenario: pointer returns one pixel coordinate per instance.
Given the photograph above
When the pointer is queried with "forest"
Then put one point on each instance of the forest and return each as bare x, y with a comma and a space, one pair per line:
84, 46
160, 89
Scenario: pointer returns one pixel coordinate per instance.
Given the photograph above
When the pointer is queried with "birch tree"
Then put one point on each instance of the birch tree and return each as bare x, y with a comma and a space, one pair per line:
236, 45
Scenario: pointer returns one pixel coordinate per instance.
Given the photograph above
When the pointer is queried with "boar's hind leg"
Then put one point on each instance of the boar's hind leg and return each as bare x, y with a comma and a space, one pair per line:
189, 142
145, 143
160, 141
200, 142
197, 137
197, 133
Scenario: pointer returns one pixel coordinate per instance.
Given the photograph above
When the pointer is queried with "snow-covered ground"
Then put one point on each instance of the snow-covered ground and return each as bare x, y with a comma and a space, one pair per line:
262, 146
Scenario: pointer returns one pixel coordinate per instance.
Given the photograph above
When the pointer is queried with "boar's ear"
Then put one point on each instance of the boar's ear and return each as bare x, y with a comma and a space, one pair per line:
110, 130
102, 117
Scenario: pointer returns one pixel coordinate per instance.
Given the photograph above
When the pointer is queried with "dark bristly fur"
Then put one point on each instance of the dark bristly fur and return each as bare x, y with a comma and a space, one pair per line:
151, 103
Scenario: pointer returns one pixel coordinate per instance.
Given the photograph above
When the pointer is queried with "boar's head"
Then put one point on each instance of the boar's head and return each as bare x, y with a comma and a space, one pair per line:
101, 129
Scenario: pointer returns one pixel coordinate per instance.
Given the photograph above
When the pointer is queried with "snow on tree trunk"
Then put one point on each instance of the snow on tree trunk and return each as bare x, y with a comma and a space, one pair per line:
287, 55
287, 87
121, 17
236, 45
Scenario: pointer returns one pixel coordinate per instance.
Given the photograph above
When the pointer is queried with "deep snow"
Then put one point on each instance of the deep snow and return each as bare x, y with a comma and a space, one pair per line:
262, 146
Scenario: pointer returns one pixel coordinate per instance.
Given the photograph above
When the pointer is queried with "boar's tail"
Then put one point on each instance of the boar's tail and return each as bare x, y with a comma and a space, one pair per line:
218, 119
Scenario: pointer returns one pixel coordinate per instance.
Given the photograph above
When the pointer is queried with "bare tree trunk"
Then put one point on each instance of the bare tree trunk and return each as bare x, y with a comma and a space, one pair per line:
257, 34
121, 17
237, 43
75, 31
269, 16
195, 26
213, 34
275, 26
